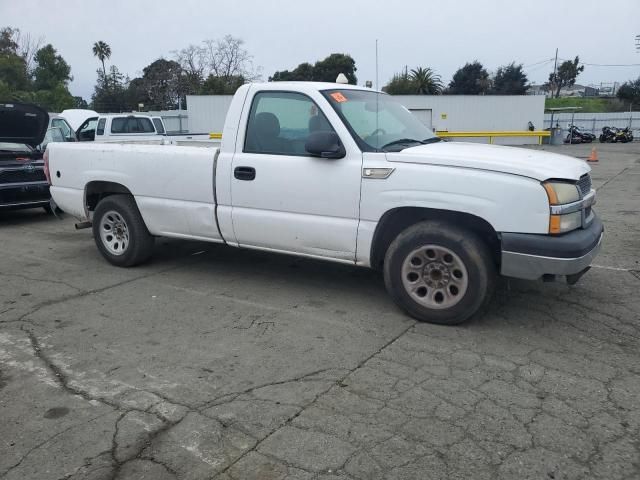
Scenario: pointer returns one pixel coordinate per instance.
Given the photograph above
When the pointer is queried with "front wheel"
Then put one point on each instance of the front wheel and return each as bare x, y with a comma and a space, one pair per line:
439, 273
120, 232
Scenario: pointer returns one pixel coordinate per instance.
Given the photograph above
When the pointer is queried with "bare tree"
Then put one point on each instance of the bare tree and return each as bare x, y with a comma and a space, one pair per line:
28, 45
227, 57
13, 41
192, 60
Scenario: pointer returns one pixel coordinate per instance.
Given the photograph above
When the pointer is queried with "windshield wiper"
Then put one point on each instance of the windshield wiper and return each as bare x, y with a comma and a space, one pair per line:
401, 141
431, 140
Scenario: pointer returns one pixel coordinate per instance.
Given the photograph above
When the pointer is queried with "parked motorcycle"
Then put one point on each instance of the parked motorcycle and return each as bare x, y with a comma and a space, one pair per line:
577, 135
608, 134
624, 135
587, 137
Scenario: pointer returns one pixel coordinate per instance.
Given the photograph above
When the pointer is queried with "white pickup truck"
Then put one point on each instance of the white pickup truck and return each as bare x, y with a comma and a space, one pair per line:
347, 174
135, 128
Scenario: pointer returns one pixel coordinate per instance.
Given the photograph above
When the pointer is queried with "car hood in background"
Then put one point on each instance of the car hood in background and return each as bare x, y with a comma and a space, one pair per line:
77, 116
517, 161
23, 123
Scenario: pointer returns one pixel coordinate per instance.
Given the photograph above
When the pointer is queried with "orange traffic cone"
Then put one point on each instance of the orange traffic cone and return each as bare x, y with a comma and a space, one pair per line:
594, 155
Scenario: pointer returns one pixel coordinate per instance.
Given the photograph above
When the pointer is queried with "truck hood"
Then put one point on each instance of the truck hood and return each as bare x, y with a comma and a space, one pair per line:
23, 123
517, 161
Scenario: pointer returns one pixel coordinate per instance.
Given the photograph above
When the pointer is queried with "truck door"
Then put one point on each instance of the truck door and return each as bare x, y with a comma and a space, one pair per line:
284, 199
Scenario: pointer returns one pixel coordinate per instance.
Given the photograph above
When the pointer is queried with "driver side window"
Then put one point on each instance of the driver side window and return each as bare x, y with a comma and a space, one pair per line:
88, 130
280, 123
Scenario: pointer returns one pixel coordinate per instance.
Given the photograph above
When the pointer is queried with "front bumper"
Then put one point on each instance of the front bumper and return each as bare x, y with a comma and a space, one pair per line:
24, 195
530, 256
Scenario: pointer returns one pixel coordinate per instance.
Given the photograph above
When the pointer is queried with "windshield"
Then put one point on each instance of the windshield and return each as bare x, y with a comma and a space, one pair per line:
377, 121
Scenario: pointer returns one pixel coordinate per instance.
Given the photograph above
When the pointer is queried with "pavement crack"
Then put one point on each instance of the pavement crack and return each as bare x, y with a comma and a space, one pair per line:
622, 172
84, 293
42, 280
318, 396
233, 395
49, 439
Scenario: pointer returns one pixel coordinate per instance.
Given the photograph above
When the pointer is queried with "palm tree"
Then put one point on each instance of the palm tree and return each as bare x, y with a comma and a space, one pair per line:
425, 81
102, 50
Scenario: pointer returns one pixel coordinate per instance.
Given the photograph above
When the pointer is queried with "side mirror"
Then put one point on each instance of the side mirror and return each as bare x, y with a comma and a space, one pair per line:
325, 145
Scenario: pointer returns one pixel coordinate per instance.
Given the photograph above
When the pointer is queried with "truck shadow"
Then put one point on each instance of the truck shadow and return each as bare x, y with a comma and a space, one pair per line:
296, 278
27, 216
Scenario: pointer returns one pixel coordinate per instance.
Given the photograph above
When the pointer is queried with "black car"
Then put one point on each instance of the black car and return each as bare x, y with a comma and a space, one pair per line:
23, 183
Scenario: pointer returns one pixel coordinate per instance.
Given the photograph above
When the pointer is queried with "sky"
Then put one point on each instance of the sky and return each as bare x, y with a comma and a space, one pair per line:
281, 34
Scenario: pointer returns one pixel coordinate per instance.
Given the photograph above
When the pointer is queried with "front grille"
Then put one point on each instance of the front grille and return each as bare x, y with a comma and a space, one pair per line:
584, 184
22, 175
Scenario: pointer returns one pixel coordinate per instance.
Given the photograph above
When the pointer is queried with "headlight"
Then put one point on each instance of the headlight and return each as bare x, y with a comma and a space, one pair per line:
561, 193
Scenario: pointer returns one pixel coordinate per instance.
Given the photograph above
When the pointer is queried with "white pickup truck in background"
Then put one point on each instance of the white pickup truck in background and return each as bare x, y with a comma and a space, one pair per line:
135, 128
346, 174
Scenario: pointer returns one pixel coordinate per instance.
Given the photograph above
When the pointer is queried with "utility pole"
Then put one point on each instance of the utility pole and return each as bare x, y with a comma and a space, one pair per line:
555, 69
377, 83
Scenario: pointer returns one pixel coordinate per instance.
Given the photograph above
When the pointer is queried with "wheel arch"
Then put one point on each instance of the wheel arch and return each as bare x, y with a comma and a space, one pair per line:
96, 190
396, 220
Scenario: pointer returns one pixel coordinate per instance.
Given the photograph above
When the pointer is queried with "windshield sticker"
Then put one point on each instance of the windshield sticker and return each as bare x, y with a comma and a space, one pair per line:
338, 97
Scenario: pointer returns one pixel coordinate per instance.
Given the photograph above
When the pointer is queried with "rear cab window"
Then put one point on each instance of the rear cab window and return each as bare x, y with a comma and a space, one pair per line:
127, 125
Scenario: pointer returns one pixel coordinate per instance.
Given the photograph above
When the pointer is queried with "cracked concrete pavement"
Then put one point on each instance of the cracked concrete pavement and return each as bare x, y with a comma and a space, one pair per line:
211, 362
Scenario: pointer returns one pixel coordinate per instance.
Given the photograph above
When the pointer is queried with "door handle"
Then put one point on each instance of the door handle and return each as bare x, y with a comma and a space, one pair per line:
244, 173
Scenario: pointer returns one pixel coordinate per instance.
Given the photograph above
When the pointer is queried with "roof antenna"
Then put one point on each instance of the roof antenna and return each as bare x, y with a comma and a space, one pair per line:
342, 79
377, 85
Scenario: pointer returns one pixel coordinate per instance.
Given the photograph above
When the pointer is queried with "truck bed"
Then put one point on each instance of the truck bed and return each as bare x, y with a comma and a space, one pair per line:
173, 185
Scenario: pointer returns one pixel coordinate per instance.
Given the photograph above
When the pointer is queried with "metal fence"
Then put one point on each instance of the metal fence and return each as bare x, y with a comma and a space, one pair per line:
593, 122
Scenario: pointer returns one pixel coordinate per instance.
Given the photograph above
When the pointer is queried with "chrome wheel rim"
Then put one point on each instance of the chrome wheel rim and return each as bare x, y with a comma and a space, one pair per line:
114, 233
435, 277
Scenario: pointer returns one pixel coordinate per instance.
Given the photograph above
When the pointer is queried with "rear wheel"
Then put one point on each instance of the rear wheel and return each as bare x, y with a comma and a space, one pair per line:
120, 232
439, 273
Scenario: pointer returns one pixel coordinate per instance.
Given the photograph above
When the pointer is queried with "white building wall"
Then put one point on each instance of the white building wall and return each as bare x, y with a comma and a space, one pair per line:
472, 113
207, 112
453, 113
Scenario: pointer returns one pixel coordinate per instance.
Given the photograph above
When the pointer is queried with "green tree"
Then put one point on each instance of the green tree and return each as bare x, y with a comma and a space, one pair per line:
222, 86
566, 75
103, 51
162, 82
79, 102
8, 42
421, 81
302, 73
510, 80
472, 79
137, 94
110, 92
425, 81
326, 70
13, 72
630, 91
54, 99
51, 69
400, 84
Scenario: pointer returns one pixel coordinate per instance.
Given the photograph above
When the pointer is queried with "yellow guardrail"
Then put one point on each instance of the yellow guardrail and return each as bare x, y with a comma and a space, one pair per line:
492, 135
443, 133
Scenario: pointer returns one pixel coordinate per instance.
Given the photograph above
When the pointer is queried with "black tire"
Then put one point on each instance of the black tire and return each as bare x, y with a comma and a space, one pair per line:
138, 246
470, 250
602, 139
